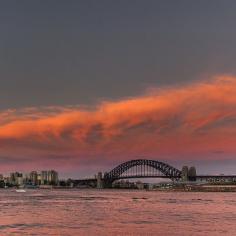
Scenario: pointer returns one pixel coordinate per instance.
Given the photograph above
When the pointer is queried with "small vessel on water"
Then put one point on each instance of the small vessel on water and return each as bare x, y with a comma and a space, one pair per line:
20, 191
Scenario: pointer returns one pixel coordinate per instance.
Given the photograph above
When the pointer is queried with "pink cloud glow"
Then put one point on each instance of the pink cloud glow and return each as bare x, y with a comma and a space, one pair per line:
192, 121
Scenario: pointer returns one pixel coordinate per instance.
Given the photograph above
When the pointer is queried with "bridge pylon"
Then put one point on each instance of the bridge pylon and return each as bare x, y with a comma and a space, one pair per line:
100, 182
188, 174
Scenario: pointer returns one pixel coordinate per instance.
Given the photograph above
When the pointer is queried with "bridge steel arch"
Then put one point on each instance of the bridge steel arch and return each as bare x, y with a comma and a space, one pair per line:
167, 170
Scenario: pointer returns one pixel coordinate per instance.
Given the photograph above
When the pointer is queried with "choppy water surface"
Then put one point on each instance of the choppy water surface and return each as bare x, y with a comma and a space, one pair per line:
116, 212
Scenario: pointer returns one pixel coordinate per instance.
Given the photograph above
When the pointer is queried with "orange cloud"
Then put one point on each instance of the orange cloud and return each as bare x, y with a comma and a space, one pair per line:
195, 119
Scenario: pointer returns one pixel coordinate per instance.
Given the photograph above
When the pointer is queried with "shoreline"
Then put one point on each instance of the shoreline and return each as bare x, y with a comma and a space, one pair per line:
194, 189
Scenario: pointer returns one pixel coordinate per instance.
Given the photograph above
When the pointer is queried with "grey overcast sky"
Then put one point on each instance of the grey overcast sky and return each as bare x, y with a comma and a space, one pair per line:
77, 52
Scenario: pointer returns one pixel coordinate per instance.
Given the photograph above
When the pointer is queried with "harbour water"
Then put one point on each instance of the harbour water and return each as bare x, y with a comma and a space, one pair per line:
116, 212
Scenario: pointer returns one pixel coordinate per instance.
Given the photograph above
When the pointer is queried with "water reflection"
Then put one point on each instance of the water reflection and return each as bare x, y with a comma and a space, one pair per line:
116, 212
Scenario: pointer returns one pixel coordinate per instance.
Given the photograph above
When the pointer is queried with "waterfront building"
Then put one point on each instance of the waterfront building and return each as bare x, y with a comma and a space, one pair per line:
33, 177
20, 180
52, 177
26, 178
49, 177
14, 178
39, 179
44, 177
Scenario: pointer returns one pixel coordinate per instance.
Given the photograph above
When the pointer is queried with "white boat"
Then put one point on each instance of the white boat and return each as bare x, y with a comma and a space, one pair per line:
20, 191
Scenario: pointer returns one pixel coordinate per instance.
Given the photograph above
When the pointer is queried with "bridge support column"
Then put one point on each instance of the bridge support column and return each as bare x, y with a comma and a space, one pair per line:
188, 174
192, 173
100, 183
184, 175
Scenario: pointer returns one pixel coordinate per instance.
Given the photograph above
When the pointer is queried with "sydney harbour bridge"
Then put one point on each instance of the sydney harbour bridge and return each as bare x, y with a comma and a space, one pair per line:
144, 168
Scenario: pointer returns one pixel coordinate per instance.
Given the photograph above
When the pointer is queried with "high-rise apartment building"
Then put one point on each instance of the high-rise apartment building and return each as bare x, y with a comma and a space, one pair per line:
34, 177
49, 177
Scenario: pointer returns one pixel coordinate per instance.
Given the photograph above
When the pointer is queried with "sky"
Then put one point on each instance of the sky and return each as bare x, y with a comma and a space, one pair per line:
86, 85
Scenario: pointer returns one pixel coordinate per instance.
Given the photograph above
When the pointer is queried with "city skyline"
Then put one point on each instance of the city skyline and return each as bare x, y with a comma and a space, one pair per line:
30, 180
87, 85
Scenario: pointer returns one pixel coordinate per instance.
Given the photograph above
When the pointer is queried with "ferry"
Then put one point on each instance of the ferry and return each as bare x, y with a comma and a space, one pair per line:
20, 191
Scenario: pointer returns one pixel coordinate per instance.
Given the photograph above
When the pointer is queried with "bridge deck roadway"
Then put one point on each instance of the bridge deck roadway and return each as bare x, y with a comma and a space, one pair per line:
143, 176
165, 177
216, 176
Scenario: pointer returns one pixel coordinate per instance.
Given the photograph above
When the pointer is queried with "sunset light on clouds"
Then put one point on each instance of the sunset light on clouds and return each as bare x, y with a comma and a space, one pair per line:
117, 117
194, 121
